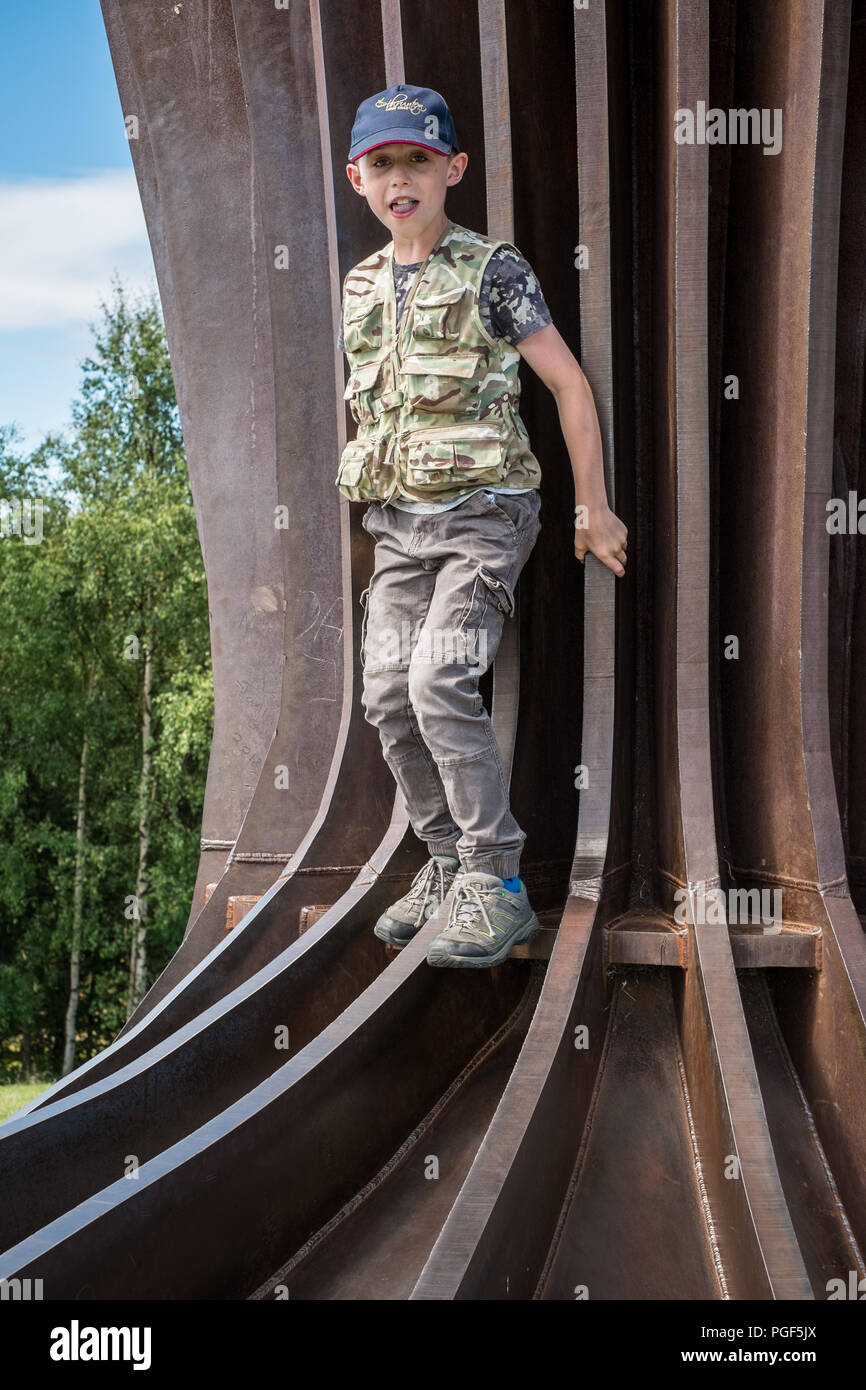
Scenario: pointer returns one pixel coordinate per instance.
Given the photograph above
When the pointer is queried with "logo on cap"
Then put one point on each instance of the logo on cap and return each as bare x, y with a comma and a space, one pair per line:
401, 104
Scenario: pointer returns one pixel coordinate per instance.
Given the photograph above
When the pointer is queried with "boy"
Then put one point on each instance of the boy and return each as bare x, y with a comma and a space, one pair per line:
434, 326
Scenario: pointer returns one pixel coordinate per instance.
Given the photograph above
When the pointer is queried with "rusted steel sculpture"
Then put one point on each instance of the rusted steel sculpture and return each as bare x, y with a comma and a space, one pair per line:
665, 1101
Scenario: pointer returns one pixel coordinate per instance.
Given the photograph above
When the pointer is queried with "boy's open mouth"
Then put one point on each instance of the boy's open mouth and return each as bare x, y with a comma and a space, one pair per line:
401, 207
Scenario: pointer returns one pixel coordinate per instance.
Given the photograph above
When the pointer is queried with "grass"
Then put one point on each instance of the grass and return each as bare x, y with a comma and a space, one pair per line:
13, 1097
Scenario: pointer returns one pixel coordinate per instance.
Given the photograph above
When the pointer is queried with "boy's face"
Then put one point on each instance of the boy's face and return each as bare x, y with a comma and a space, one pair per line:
406, 172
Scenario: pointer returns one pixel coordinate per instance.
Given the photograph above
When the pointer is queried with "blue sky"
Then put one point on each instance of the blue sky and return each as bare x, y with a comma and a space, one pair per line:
70, 213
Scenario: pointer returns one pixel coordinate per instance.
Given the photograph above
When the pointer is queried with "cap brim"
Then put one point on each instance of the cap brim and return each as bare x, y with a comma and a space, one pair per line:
396, 137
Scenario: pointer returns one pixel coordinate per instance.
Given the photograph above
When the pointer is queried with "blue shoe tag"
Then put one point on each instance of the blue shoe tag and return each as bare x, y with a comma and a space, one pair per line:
512, 884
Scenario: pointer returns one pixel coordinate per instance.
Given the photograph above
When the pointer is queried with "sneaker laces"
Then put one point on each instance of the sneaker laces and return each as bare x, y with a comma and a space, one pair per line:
468, 903
422, 883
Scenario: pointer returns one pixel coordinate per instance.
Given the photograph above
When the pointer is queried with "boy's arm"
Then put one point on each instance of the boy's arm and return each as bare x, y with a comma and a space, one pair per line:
550, 358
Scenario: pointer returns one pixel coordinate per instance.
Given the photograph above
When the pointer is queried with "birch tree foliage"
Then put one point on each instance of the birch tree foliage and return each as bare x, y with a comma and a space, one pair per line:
118, 573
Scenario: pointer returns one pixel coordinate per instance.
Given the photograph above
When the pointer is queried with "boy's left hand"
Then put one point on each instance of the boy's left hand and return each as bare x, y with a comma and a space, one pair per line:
606, 536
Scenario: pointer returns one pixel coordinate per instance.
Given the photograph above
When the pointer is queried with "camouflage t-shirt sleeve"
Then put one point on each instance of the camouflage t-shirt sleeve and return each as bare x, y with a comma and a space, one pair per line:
511, 302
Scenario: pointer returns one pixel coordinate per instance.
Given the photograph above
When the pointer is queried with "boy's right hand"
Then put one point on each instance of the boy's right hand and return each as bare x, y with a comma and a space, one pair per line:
605, 535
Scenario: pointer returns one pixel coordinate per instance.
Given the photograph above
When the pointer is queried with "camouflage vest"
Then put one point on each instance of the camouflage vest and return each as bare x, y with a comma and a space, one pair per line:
437, 405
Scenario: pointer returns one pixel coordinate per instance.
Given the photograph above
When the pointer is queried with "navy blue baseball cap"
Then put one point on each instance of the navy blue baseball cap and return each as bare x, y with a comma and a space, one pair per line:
403, 115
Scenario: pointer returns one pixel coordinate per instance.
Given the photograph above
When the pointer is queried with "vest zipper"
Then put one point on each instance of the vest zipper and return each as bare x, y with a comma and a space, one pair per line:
419, 274
390, 309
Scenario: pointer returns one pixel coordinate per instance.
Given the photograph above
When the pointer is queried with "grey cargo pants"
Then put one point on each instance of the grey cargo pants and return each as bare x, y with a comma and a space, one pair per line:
442, 587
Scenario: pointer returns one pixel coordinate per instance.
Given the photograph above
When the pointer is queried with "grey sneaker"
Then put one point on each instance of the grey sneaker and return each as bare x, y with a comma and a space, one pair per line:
430, 887
484, 923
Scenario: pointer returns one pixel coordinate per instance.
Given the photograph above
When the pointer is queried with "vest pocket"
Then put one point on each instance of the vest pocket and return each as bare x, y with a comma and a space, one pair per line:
362, 328
355, 479
362, 389
446, 463
441, 382
437, 316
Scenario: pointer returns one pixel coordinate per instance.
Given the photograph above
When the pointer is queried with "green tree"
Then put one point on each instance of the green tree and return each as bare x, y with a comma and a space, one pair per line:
107, 666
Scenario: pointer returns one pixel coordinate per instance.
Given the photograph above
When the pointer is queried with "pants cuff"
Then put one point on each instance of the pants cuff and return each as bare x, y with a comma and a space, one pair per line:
503, 865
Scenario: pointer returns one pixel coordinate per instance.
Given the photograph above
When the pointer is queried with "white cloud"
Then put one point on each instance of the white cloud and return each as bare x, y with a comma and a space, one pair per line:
60, 241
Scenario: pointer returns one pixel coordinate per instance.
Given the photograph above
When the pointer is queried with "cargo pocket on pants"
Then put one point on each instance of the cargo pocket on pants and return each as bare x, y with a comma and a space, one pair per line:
365, 606
489, 592
495, 591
